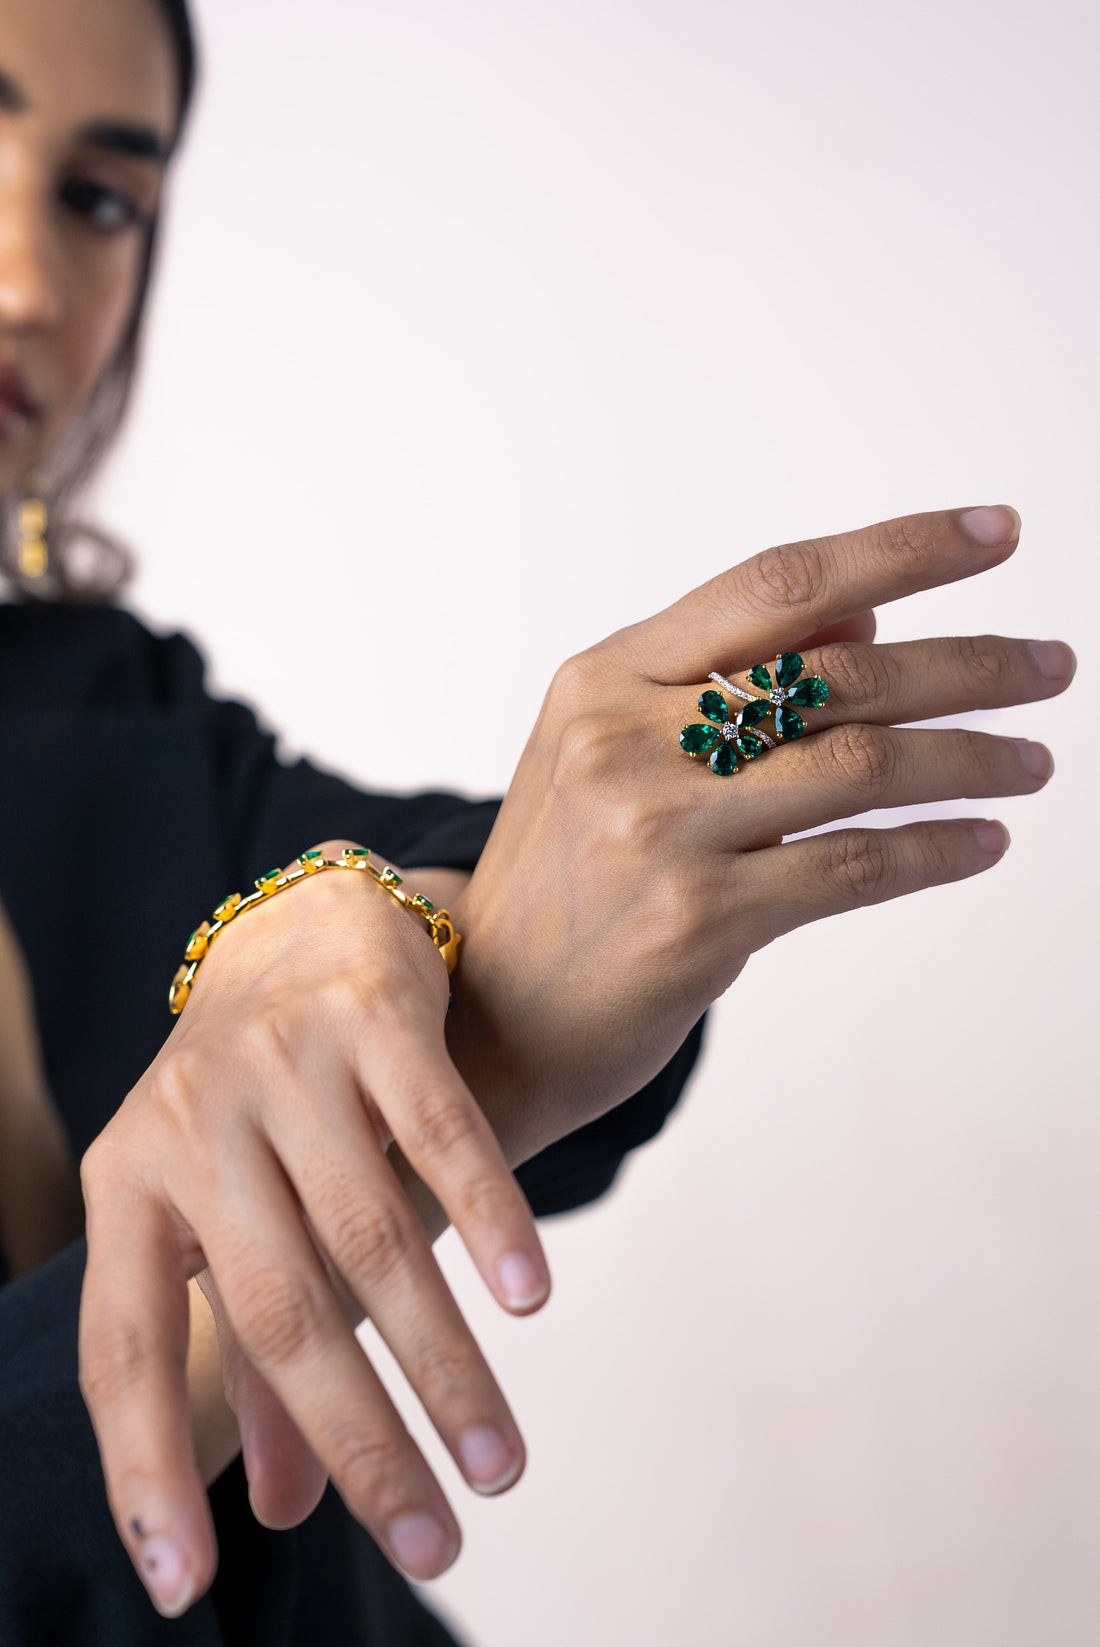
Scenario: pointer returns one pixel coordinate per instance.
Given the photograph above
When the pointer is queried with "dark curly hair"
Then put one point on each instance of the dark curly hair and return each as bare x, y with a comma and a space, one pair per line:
93, 432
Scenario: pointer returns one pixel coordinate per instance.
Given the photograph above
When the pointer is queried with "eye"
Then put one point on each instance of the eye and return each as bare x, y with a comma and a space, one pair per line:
107, 210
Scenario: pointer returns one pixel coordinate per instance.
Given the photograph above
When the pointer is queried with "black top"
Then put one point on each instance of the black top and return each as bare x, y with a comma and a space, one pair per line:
129, 801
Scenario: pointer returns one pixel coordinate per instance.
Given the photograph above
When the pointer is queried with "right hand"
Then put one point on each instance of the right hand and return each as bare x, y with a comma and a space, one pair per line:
255, 1146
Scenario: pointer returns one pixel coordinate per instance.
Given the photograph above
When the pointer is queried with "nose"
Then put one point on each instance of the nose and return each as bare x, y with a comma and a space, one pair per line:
31, 295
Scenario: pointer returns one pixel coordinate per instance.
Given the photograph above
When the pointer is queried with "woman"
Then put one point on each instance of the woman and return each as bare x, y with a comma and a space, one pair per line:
256, 1152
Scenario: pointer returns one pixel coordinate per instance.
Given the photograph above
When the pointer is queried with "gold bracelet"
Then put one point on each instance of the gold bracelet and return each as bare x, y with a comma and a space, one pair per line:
438, 921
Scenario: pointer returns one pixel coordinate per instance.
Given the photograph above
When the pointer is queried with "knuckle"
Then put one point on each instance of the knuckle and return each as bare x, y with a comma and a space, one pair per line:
367, 1240
112, 1355
444, 1374
861, 866
437, 1127
938, 860
266, 1041
790, 575
367, 1464
489, 1203
98, 1164
907, 542
178, 1087
345, 996
275, 1315
858, 674
864, 757
577, 679
586, 751
986, 662
637, 823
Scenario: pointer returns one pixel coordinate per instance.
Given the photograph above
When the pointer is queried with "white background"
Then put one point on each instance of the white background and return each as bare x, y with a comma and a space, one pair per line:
488, 327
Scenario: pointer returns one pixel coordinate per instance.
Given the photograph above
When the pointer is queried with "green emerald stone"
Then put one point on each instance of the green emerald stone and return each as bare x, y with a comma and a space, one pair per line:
788, 667
696, 740
713, 706
788, 723
810, 693
750, 745
759, 676
724, 760
754, 712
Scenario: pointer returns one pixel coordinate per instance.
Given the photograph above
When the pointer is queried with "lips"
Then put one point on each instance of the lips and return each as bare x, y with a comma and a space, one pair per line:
16, 406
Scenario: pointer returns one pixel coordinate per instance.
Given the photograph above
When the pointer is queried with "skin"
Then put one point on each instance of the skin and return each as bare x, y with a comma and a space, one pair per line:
73, 213
245, 1211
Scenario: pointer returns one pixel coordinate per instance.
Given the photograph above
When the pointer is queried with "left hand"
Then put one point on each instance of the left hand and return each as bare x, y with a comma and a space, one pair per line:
256, 1145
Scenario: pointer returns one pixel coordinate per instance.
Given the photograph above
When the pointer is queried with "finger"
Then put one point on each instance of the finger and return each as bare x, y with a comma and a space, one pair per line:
922, 680
285, 1480
853, 768
443, 1134
748, 614
133, 1335
292, 1330
788, 886
362, 1219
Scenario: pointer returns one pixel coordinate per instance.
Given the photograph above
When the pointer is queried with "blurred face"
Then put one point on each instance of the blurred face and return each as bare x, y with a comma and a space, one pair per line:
88, 98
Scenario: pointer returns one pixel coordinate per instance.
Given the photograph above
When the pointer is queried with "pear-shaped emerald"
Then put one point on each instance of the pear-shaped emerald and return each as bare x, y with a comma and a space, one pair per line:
759, 676
713, 706
750, 745
724, 760
788, 667
698, 739
810, 693
788, 723
753, 712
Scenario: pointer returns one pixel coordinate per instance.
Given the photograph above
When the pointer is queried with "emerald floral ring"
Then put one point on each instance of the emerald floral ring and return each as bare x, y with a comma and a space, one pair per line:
728, 739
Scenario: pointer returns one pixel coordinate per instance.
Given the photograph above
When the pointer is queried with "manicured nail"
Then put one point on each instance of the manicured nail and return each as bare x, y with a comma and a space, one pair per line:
998, 523
420, 1545
520, 1280
992, 837
170, 1584
1035, 758
489, 1464
1054, 659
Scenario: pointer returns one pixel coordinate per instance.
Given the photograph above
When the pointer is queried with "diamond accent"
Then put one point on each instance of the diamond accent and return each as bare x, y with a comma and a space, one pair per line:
729, 731
777, 695
738, 691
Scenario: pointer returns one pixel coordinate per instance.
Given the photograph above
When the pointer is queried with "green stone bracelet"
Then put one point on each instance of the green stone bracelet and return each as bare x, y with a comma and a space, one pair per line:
438, 921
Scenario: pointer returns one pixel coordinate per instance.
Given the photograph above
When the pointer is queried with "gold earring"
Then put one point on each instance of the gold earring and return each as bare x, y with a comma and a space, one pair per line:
34, 554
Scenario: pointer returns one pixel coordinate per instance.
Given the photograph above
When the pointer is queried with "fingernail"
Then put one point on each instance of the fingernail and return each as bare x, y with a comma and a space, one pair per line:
170, 1584
520, 1280
487, 1460
998, 523
992, 837
421, 1546
1054, 659
1035, 758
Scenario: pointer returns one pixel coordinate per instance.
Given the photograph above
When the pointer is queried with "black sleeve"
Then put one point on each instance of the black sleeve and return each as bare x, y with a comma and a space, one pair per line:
280, 809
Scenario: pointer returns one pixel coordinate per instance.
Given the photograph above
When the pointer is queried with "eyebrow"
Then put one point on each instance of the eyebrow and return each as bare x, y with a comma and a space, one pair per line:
117, 136
140, 142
